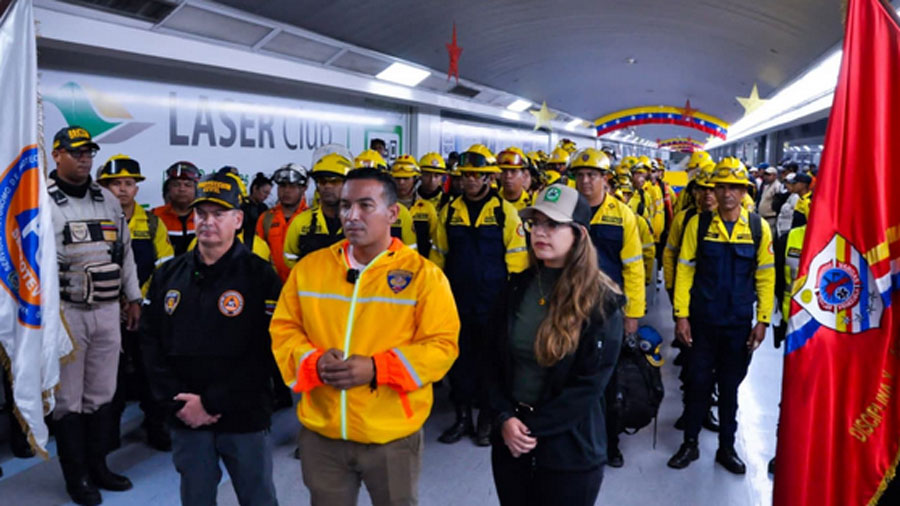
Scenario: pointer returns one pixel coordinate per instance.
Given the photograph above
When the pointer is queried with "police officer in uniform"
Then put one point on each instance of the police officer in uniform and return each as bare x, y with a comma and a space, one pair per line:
96, 268
615, 233
725, 264
206, 346
151, 248
483, 241
320, 226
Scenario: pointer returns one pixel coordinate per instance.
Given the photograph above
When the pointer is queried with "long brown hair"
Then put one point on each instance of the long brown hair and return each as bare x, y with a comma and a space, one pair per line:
580, 286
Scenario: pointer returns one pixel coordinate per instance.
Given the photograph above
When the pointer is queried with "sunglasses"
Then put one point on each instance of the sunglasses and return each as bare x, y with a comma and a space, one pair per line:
327, 180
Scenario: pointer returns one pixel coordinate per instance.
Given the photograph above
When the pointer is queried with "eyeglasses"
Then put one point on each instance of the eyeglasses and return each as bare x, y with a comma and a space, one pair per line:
473, 159
120, 165
182, 170
287, 175
473, 175
548, 225
78, 153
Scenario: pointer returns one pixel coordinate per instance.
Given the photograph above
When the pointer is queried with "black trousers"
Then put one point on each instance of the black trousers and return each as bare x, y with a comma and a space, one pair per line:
719, 355
132, 382
611, 412
467, 374
520, 483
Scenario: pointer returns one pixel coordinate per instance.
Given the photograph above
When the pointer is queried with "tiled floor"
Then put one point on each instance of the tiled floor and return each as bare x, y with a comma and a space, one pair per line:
460, 474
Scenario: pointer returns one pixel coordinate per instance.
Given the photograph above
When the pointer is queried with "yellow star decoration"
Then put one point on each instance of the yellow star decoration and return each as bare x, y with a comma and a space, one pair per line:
710, 139
543, 117
751, 103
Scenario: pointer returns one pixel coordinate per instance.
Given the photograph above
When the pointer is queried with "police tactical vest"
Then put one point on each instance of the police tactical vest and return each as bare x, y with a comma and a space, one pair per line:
90, 263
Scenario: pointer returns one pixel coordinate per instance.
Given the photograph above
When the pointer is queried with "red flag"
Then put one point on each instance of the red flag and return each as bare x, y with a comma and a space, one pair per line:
839, 431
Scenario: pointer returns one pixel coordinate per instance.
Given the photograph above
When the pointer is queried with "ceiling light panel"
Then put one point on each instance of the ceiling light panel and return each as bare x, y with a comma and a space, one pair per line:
401, 73
217, 26
519, 105
300, 47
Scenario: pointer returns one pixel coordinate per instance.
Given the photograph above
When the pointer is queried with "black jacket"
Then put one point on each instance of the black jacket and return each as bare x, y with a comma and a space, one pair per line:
568, 421
205, 330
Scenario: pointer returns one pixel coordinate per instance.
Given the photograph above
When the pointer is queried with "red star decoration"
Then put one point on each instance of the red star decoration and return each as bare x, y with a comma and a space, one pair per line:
687, 112
454, 51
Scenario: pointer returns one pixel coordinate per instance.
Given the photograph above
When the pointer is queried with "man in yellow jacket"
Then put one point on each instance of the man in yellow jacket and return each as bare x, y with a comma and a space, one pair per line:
363, 328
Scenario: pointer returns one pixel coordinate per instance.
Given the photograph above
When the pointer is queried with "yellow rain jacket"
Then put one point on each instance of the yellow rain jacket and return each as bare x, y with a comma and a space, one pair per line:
400, 311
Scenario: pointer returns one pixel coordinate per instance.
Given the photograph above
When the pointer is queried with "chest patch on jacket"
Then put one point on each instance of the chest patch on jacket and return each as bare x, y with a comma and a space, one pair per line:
170, 302
231, 303
398, 280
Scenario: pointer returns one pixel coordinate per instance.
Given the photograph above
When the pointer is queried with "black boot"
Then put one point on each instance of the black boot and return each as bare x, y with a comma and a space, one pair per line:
679, 424
71, 446
730, 460
711, 422
483, 428
158, 436
100, 433
615, 457
461, 427
687, 453
772, 466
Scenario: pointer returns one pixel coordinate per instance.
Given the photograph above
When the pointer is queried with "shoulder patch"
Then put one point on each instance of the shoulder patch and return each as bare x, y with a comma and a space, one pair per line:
231, 303
399, 279
171, 300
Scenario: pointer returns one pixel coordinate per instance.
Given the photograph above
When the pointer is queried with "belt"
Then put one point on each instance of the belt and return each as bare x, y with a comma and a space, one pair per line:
523, 409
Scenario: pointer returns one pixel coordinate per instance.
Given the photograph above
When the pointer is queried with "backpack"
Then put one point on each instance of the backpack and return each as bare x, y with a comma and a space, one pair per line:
639, 386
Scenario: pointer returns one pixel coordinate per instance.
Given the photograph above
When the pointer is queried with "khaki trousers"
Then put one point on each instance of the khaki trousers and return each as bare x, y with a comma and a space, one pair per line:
333, 469
87, 379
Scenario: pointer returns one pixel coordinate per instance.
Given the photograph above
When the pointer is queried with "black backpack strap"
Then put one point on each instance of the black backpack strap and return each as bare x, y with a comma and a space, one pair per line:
500, 214
96, 193
687, 217
755, 230
640, 209
152, 225
703, 227
450, 211
56, 194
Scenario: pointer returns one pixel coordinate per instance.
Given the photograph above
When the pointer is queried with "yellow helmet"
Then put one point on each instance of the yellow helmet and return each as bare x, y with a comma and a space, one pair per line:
567, 145
513, 158
589, 158
559, 155
628, 162
478, 158
370, 159
704, 176
405, 166
120, 166
730, 170
551, 176
623, 170
643, 164
433, 162
623, 181
697, 159
331, 165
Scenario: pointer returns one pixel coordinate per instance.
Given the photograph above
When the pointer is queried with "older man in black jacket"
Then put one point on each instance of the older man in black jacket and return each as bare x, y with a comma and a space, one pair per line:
208, 354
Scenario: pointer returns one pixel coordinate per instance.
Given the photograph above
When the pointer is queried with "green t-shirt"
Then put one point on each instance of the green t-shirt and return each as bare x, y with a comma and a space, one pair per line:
528, 375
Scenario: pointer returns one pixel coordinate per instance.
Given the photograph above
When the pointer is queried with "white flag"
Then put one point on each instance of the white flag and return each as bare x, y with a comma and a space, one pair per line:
32, 338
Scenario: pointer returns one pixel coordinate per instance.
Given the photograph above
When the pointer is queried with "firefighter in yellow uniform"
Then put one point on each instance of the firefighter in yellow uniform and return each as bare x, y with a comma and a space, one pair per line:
403, 227
483, 241
725, 265
319, 226
615, 233
705, 200
624, 192
405, 172
699, 160
555, 168
514, 164
151, 248
431, 186
642, 200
